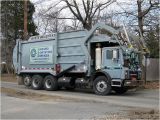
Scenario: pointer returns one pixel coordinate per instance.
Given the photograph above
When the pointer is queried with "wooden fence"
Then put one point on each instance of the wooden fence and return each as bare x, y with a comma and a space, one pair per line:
153, 70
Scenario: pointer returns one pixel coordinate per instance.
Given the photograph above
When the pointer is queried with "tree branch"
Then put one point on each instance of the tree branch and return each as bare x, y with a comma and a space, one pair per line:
150, 7
69, 5
100, 5
90, 12
85, 9
79, 14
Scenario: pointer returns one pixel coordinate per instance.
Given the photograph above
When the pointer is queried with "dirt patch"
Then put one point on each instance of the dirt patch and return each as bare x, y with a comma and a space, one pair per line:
144, 114
152, 85
33, 96
8, 78
135, 114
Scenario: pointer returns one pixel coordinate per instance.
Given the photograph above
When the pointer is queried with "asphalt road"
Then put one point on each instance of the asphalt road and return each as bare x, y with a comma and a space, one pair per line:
14, 108
89, 105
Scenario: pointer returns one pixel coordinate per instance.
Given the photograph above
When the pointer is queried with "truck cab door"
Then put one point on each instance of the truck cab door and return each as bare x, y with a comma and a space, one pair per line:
112, 61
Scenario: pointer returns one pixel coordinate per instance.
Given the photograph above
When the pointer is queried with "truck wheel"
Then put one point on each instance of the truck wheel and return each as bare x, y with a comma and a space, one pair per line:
37, 82
50, 83
120, 90
27, 80
102, 85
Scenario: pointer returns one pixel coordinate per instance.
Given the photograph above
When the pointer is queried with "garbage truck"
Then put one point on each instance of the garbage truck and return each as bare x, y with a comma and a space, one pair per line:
101, 59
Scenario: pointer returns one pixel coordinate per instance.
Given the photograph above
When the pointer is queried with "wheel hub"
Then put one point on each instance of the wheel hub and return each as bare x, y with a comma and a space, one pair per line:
35, 82
26, 80
101, 86
48, 83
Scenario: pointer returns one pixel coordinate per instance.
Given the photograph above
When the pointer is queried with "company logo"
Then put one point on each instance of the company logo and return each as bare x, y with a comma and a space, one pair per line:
33, 52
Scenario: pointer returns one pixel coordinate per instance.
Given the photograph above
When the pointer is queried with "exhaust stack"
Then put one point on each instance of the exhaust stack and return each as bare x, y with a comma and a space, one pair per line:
98, 56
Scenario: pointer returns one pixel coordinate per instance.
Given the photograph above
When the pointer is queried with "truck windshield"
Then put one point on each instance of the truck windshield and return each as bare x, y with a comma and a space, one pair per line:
131, 60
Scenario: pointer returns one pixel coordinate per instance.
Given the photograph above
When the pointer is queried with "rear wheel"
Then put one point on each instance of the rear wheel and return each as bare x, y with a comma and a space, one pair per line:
120, 90
27, 80
37, 82
50, 83
102, 85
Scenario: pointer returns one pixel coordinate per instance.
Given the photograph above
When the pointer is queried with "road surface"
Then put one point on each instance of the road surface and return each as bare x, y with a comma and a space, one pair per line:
89, 105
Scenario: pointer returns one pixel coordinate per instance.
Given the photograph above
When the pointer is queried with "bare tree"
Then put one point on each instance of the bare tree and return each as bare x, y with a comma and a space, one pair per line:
74, 25
49, 22
90, 9
143, 12
84, 13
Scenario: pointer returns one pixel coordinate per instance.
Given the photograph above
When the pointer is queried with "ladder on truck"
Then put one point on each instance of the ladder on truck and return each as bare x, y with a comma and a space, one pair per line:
138, 44
122, 37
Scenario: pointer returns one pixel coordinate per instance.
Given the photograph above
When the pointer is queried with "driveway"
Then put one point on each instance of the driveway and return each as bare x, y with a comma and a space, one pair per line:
85, 104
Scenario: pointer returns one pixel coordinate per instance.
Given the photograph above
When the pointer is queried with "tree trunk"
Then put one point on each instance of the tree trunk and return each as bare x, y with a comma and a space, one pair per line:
140, 16
88, 24
141, 24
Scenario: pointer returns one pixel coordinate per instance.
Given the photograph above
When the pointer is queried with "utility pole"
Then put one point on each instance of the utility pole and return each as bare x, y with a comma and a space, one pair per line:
25, 20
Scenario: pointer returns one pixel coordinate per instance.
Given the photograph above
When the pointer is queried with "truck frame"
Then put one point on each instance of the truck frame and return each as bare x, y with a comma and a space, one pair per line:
82, 58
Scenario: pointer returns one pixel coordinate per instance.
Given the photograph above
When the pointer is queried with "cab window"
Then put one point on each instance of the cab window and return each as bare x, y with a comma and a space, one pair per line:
109, 54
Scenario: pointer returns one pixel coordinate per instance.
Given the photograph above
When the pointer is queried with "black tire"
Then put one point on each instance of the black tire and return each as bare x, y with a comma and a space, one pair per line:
37, 82
72, 85
27, 80
102, 85
120, 90
50, 83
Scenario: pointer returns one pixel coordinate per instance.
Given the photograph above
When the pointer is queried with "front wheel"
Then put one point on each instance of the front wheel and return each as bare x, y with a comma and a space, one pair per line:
102, 85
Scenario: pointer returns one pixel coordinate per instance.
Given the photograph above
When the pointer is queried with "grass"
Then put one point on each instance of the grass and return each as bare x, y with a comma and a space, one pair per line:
134, 114
29, 95
8, 78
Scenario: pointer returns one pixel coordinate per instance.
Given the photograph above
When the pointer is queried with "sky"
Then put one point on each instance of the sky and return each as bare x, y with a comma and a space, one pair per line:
44, 4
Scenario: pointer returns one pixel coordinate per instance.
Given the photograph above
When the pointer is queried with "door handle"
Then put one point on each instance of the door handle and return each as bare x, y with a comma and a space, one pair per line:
105, 67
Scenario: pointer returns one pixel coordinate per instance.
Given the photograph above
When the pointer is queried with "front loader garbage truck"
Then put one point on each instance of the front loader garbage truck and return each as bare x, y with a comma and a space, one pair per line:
88, 59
